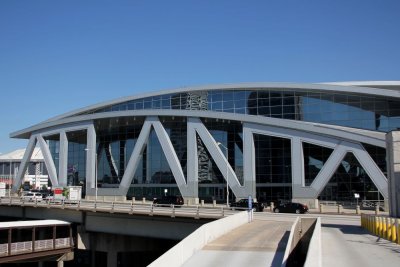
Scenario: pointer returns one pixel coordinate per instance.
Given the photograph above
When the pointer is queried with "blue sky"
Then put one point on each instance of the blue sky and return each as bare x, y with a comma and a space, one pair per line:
57, 56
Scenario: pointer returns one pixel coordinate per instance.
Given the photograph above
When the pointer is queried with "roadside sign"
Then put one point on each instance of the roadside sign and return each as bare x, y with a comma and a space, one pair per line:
58, 193
250, 201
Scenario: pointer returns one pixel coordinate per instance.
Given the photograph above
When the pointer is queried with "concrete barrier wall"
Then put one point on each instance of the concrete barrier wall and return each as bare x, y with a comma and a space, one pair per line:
293, 239
304, 243
182, 251
314, 253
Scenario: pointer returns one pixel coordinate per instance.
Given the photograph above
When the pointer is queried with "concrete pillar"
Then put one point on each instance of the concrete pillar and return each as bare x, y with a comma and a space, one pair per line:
339, 209
377, 210
393, 170
112, 257
358, 209
272, 206
60, 263
321, 208
191, 201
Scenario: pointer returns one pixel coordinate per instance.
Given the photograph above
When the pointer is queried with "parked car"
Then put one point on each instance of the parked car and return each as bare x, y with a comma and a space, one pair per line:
291, 207
244, 204
32, 196
168, 201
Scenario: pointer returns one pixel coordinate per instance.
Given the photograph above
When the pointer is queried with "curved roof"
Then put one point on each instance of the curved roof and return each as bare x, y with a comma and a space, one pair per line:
18, 154
29, 224
361, 88
349, 87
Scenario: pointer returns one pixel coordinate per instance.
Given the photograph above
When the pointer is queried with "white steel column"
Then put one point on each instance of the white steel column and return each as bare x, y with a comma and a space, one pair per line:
192, 171
91, 160
249, 162
63, 160
393, 169
220, 160
24, 164
171, 157
373, 171
48, 160
135, 158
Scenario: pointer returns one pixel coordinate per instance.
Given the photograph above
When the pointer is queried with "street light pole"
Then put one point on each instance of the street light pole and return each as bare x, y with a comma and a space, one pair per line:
95, 175
9, 185
227, 173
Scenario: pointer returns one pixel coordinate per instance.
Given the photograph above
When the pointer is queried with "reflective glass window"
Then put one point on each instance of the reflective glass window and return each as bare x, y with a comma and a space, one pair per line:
315, 158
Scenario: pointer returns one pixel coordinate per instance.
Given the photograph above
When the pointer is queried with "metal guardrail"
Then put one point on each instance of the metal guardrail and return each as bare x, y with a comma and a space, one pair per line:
40, 245
189, 211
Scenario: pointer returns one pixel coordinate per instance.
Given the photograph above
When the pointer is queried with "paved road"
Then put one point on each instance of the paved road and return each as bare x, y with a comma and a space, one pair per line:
260, 243
351, 245
345, 243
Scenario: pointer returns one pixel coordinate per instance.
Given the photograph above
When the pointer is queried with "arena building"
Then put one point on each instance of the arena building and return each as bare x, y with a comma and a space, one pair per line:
35, 175
271, 141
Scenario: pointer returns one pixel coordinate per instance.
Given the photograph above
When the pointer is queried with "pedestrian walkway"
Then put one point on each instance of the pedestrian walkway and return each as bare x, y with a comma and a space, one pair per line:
351, 245
259, 243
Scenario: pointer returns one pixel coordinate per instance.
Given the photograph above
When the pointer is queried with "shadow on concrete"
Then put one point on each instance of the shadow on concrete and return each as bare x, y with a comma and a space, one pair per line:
280, 250
347, 229
369, 238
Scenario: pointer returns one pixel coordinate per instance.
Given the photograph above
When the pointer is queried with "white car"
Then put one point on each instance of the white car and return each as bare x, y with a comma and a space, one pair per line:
32, 196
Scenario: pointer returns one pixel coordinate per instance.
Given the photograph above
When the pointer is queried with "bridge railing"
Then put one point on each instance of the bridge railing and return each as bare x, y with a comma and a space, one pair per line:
194, 211
382, 226
40, 245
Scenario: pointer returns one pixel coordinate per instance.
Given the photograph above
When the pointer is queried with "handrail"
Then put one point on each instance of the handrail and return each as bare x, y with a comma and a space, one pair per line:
191, 211
40, 245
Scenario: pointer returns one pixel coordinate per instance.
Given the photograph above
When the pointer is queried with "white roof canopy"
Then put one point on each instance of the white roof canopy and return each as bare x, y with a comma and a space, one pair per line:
36, 223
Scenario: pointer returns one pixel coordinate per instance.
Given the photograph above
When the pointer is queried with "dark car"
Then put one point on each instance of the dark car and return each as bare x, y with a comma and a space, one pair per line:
168, 201
244, 203
291, 208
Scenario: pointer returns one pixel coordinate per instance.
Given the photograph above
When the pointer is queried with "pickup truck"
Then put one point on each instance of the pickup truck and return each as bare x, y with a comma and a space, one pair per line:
244, 204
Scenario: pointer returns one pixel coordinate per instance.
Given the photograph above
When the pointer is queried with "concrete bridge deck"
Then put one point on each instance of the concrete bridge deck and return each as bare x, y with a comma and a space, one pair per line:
259, 243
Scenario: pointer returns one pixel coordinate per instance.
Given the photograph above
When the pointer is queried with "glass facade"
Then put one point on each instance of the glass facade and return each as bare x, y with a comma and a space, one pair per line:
212, 184
76, 165
54, 147
349, 178
273, 168
117, 137
314, 159
343, 109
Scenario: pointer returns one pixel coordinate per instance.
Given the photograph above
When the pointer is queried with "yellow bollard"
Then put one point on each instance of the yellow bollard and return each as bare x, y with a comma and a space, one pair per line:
398, 230
380, 227
394, 231
376, 231
384, 231
389, 229
370, 223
